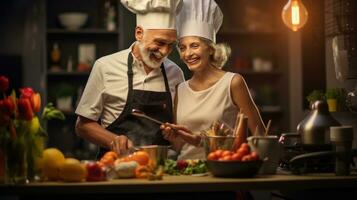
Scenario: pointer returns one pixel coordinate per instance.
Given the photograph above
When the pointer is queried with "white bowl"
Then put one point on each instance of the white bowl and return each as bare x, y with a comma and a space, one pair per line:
73, 20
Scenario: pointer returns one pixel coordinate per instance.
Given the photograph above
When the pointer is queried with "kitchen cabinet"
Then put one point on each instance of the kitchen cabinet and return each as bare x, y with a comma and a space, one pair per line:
68, 55
254, 30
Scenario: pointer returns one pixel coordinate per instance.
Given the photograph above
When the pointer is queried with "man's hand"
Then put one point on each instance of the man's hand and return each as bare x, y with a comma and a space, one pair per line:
120, 144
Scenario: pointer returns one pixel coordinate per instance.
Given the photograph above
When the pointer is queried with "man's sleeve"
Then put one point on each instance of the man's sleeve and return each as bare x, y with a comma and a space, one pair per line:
91, 103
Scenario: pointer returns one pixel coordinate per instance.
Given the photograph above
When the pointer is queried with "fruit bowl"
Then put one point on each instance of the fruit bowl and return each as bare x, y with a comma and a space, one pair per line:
234, 169
73, 20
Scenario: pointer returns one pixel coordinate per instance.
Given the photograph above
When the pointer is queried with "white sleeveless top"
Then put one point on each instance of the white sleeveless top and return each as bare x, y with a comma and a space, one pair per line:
198, 109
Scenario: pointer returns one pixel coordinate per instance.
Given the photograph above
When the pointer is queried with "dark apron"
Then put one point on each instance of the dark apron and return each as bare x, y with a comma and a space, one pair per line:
139, 130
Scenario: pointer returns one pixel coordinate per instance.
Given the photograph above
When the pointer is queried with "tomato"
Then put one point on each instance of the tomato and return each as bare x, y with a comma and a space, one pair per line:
246, 158
226, 153
245, 146
218, 153
181, 164
254, 155
225, 158
243, 151
212, 156
237, 156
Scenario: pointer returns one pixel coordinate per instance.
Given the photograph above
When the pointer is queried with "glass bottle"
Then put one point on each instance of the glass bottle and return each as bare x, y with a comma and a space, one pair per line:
55, 54
110, 16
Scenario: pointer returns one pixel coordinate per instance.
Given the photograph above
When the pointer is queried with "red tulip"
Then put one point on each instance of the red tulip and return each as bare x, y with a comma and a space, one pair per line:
7, 106
4, 83
36, 102
26, 92
25, 109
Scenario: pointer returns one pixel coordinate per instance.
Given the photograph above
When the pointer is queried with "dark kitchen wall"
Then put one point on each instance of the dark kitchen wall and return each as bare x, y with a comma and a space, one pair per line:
11, 40
313, 50
19, 41
12, 26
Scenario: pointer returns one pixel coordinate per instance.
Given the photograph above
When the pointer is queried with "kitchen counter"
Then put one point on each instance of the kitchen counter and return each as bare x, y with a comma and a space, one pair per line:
174, 184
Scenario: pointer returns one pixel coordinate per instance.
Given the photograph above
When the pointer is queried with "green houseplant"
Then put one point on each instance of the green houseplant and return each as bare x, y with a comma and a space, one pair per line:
314, 96
331, 98
336, 99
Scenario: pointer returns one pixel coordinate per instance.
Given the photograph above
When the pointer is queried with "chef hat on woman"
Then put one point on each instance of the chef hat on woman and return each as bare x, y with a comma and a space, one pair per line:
154, 14
203, 18
199, 18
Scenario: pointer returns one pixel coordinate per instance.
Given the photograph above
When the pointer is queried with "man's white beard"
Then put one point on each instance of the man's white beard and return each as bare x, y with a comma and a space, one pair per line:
145, 56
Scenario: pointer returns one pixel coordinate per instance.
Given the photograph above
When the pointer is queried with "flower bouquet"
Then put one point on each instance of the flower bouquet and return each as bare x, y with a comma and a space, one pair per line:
22, 137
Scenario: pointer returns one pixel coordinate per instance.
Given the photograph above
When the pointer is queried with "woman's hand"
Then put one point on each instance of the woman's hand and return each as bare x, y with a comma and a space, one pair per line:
173, 131
168, 132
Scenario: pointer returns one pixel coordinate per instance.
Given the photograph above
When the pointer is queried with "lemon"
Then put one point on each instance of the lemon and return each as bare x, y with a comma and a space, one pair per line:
73, 171
52, 160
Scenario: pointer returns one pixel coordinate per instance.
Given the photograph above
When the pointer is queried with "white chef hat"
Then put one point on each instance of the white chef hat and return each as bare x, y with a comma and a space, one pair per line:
199, 18
154, 14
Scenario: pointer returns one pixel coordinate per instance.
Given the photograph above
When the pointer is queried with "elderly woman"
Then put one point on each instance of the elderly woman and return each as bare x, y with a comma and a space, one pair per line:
211, 94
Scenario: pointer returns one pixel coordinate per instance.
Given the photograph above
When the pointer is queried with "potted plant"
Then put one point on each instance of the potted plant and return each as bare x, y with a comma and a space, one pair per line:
314, 96
64, 97
331, 98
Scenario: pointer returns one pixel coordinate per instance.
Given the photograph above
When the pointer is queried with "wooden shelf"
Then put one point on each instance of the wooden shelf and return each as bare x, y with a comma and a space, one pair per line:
246, 32
252, 72
69, 113
64, 73
82, 31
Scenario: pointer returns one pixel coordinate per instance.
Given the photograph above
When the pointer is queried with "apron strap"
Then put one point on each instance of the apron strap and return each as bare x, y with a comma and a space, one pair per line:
167, 88
130, 78
165, 78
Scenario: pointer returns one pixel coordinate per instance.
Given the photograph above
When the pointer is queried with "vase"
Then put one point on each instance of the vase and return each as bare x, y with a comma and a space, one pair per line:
35, 146
16, 161
2, 161
332, 105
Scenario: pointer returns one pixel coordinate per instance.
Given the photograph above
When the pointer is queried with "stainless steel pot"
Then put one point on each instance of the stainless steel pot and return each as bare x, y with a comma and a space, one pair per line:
157, 154
314, 130
213, 143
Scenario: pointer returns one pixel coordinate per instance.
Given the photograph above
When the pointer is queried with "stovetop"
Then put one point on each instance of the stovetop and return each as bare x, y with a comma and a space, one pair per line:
299, 161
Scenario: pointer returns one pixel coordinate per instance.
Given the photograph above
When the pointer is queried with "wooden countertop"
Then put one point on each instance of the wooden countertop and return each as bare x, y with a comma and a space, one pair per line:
186, 184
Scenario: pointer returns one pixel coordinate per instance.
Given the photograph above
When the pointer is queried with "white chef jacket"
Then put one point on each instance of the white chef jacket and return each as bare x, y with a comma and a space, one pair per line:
105, 94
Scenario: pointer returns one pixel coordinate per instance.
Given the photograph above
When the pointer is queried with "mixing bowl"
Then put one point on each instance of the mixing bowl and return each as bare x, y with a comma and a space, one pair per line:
73, 20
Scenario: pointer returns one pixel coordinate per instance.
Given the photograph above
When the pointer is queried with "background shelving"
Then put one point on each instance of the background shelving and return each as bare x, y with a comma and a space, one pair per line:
254, 31
63, 80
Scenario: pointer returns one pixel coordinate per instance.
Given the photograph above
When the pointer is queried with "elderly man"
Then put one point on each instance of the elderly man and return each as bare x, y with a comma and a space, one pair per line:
140, 77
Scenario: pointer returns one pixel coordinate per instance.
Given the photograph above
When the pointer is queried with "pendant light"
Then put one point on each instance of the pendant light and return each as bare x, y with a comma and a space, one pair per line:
294, 14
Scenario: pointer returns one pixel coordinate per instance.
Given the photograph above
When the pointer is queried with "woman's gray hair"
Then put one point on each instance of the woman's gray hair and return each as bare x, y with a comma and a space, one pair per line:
221, 53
